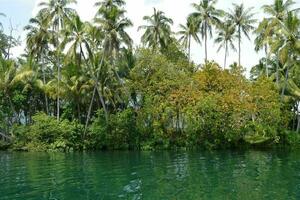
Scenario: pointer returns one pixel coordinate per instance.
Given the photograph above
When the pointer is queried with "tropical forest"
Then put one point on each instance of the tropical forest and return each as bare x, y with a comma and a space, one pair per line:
84, 85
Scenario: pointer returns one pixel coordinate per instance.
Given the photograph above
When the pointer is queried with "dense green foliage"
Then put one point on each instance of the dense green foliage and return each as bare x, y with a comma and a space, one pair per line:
82, 85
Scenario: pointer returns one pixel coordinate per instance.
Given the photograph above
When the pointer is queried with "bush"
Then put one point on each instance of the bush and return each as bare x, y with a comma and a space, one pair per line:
46, 133
118, 132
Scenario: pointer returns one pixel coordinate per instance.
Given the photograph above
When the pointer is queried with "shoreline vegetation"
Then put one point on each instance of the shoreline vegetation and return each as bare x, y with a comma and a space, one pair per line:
83, 86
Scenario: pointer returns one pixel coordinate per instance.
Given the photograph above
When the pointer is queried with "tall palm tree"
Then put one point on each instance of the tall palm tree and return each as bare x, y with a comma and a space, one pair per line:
58, 12
76, 41
278, 10
277, 13
262, 41
187, 33
112, 21
287, 45
243, 19
206, 16
157, 31
37, 40
225, 38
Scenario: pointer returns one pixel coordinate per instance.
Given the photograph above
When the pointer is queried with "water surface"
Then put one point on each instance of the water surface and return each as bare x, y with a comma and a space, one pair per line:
151, 175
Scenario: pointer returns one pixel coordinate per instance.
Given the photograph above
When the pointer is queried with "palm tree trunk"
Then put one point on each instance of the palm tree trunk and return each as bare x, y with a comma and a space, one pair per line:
298, 119
44, 82
239, 37
78, 110
58, 91
89, 111
205, 40
58, 73
277, 69
226, 51
94, 92
267, 60
189, 48
285, 83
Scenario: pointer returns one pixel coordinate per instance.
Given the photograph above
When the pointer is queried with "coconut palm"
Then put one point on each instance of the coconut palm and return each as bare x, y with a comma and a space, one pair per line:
157, 31
287, 45
76, 41
112, 21
243, 19
57, 12
225, 39
262, 42
276, 12
37, 40
206, 16
187, 33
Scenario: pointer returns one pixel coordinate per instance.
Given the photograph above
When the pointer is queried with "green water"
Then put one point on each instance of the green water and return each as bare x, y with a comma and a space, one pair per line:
149, 175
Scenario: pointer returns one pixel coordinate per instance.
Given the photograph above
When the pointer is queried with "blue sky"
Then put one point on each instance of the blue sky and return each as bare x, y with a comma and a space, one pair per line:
20, 11
16, 11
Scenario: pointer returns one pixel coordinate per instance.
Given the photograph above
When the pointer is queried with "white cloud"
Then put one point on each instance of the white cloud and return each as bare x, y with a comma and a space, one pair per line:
178, 10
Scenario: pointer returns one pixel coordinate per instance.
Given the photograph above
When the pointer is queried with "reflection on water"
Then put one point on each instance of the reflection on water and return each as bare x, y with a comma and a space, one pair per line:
151, 175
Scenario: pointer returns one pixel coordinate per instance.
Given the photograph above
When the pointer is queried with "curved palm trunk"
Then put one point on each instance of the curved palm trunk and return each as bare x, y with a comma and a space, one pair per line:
96, 89
226, 52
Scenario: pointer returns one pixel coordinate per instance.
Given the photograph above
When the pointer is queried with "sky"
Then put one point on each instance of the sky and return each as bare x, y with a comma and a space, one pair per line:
18, 12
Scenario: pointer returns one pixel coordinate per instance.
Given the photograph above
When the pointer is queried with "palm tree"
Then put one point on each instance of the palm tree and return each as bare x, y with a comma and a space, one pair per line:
37, 39
206, 16
278, 10
277, 13
226, 38
157, 31
262, 41
187, 33
58, 12
8, 71
76, 39
113, 23
287, 44
242, 18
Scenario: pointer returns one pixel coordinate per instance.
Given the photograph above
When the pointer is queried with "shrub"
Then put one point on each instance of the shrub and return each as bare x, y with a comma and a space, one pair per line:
47, 133
118, 132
